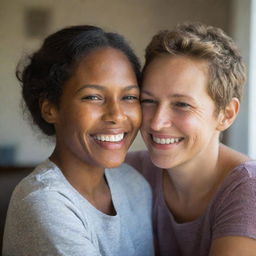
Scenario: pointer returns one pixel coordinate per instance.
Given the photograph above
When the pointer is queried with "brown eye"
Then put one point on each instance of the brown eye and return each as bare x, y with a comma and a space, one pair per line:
130, 98
92, 97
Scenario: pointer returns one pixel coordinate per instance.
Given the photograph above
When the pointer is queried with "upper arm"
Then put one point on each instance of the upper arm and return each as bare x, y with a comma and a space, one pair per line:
49, 224
234, 228
233, 246
235, 215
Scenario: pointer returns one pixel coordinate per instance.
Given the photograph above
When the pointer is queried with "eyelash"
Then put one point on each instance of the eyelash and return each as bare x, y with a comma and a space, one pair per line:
182, 105
147, 101
92, 97
130, 97
178, 105
96, 97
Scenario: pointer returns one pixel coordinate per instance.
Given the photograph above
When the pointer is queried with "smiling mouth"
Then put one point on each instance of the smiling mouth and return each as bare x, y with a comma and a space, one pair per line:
166, 141
110, 137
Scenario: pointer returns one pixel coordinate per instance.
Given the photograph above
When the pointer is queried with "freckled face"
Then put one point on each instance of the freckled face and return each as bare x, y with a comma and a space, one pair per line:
179, 119
99, 112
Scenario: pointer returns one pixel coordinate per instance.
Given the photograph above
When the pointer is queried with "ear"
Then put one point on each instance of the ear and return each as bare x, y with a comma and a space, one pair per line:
49, 111
228, 115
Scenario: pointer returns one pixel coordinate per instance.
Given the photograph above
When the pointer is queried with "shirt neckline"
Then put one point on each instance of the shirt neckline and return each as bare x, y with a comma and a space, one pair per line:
161, 199
84, 200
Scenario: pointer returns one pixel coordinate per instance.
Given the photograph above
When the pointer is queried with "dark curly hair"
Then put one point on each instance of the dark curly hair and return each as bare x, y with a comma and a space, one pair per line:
227, 72
52, 65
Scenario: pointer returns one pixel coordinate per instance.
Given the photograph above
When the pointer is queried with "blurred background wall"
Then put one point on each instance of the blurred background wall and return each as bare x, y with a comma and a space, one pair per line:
24, 23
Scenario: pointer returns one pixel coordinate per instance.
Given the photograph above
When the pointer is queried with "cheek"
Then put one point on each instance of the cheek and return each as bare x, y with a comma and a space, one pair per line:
188, 124
80, 117
196, 128
134, 114
147, 115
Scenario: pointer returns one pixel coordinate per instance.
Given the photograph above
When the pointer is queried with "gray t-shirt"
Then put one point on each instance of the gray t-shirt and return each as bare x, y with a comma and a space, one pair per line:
231, 212
47, 216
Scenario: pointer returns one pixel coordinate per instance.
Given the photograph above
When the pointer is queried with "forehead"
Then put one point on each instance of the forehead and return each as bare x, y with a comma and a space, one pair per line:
105, 67
103, 58
104, 64
181, 73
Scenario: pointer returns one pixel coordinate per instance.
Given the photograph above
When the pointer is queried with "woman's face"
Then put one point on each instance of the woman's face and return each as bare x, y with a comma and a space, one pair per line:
179, 118
99, 112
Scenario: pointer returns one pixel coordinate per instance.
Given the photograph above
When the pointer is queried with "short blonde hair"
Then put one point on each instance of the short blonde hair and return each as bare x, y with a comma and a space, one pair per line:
226, 67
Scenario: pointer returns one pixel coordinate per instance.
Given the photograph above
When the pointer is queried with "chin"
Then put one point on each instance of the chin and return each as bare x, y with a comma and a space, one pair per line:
161, 163
113, 163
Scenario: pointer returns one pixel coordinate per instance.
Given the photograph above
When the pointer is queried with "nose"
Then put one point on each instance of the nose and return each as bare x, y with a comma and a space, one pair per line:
161, 118
114, 113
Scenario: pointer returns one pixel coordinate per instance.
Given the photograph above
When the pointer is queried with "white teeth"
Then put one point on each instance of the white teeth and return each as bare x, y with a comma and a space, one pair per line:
111, 138
165, 141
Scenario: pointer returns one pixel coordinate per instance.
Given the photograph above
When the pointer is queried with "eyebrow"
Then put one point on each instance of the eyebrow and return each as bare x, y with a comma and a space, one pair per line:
146, 92
130, 87
91, 86
177, 95
103, 88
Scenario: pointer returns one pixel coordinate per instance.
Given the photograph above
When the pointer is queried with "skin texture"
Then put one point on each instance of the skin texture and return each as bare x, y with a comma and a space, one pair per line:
176, 105
100, 98
237, 246
177, 110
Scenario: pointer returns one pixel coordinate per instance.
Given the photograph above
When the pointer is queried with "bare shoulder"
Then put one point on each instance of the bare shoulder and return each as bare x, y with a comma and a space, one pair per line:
233, 245
231, 158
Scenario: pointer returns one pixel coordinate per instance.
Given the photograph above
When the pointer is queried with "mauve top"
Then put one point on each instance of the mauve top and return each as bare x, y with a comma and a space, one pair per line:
231, 212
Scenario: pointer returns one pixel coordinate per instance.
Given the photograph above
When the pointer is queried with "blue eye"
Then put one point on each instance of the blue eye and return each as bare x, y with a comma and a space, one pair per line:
182, 105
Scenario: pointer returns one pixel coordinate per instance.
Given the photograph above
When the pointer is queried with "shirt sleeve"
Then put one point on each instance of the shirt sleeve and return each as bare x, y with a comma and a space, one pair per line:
235, 214
50, 224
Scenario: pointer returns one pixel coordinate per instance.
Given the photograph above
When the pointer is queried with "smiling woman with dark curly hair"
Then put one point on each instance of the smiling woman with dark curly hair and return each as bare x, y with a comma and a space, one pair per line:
82, 87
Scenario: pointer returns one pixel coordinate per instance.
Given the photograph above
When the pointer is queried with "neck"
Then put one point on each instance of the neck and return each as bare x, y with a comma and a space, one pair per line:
85, 178
189, 188
198, 177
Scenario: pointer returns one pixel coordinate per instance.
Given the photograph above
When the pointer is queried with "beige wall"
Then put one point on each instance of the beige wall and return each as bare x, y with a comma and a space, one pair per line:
138, 20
